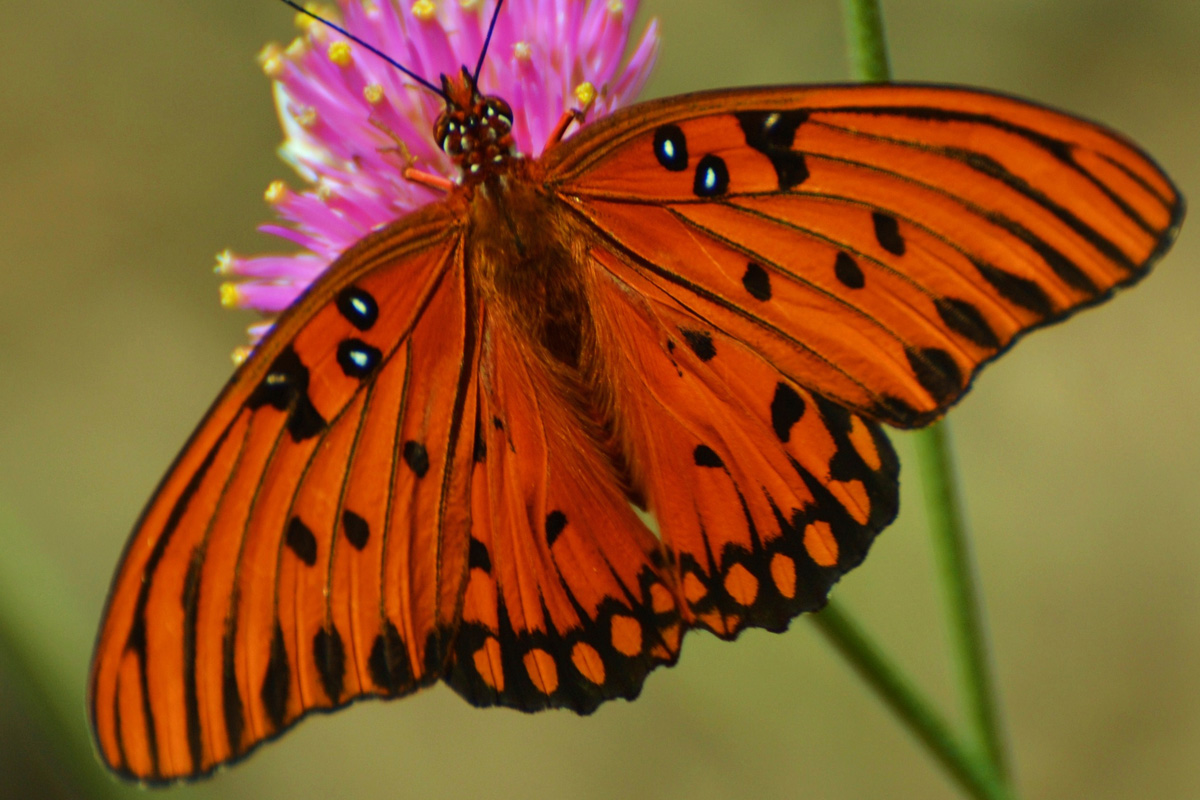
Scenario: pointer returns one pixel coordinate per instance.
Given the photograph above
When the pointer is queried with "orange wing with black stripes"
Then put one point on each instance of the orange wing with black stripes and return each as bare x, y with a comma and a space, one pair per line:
416, 476
878, 243
785, 268
309, 544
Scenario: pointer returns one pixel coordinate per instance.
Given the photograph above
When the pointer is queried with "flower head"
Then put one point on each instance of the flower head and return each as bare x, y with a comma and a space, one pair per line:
347, 115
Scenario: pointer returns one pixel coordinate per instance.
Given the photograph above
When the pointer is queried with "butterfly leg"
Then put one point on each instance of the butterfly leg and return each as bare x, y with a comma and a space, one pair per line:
586, 94
410, 172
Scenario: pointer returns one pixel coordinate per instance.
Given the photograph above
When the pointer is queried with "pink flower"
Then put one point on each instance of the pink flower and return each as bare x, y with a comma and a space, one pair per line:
338, 103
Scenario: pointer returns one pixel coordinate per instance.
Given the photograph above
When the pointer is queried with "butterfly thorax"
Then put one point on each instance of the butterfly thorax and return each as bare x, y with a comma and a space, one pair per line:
474, 130
525, 262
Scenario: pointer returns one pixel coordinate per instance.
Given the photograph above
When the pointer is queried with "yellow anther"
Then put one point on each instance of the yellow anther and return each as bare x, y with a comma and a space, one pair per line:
522, 51
585, 93
240, 354
306, 117
231, 297
304, 22
373, 93
270, 58
276, 192
424, 10
469, 5
269, 50
224, 262
339, 53
296, 49
273, 68
616, 7
325, 192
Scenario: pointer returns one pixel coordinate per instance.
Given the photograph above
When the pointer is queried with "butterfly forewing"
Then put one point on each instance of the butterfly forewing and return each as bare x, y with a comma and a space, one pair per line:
879, 244
253, 588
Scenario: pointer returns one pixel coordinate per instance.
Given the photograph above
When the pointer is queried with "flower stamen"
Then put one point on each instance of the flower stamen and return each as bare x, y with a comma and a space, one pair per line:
339, 53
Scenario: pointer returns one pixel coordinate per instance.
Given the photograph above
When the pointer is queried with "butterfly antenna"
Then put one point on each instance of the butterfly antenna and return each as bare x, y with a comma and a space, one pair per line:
486, 42
372, 48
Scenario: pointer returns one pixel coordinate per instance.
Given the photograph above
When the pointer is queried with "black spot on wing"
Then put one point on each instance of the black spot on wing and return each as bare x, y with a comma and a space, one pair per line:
712, 177
937, 372
848, 272
787, 407
356, 529
388, 662
705, 456
300, 540
773, 133
555, 522
887, 233
277, 681
285, 388
477, 556
757, 281
358, 307
966, 320
330, 658
701, 343
670, 148
1023, 292
357, 358
417, 457
1062, 266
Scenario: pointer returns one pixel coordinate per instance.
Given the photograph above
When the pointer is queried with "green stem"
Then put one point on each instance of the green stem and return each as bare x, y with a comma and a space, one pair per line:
916, 711
959, 585
865, 41
868, 52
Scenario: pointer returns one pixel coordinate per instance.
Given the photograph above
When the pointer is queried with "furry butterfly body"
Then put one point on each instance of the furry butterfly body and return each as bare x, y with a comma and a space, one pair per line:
525, 438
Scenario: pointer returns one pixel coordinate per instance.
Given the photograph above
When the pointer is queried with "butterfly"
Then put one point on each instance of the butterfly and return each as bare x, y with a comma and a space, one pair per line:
523, 439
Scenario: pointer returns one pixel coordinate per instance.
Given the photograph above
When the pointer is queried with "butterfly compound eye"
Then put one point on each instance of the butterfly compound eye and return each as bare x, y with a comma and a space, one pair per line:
441, 129
495, 107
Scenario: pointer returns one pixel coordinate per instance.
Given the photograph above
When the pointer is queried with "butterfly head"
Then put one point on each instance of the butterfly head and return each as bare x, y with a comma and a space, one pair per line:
474, 130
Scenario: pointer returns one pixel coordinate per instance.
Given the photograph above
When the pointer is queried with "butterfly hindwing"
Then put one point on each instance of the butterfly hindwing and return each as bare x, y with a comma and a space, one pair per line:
764, 493
566, 604
877, 244
307, 546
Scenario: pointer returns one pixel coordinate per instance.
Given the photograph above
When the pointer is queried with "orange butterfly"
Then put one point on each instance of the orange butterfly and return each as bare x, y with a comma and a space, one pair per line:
695, 313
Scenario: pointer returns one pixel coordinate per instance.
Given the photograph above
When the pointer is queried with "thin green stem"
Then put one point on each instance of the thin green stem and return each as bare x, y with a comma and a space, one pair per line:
865, 41
971, 771
868, 53
959, 585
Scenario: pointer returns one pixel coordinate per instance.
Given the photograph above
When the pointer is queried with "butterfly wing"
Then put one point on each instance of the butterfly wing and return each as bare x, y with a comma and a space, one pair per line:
309, 544
571, 599
401, 486
784, 268
765, 492
878, 244
566, 604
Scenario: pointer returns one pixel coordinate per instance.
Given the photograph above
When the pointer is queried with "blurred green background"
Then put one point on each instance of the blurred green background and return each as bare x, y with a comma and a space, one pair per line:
137, 139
